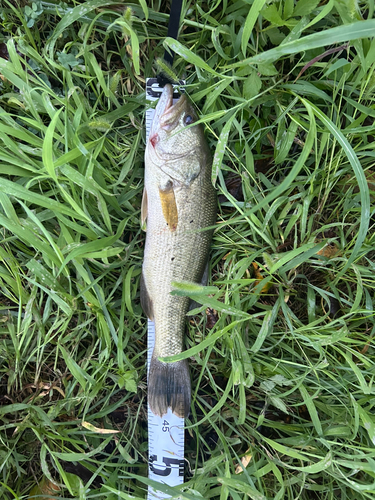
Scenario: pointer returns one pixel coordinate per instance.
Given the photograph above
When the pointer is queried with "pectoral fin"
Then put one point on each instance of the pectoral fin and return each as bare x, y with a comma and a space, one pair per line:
144, 210
169, 207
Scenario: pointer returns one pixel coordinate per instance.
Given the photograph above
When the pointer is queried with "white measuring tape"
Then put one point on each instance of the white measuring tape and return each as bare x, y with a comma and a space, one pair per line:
166, 435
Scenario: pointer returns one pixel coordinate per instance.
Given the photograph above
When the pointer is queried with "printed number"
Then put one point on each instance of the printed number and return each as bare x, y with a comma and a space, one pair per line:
168, 462
165, 427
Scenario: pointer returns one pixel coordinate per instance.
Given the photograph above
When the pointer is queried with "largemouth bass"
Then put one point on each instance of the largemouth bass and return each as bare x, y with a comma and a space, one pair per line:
179, 202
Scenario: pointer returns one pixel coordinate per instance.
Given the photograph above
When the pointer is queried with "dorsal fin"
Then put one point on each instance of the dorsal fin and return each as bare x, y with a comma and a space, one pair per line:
144, 210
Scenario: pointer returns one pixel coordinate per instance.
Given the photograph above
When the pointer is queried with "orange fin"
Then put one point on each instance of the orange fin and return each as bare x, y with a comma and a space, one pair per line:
169, 207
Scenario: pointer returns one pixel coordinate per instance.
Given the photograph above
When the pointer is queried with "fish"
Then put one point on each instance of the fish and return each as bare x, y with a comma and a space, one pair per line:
179, 207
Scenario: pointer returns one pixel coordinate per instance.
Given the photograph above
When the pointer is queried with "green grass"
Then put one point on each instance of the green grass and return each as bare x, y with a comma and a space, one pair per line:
282, 367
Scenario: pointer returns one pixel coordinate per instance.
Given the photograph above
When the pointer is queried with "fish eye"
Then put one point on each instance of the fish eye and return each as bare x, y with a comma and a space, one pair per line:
188, 119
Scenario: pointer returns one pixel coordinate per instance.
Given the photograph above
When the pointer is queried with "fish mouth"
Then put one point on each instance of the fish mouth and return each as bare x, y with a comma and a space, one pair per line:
166, 113
172, 113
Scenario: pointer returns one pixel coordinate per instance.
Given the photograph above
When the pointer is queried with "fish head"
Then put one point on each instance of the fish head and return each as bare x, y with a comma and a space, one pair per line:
173, 135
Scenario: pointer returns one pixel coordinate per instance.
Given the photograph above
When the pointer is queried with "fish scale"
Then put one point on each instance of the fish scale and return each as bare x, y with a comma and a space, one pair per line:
175, 256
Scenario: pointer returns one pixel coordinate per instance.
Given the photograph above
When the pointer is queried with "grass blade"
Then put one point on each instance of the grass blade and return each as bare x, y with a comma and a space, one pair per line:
251, 19
339, 34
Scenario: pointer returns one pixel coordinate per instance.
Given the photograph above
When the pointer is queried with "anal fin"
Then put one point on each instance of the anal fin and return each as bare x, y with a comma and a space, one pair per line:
194, 304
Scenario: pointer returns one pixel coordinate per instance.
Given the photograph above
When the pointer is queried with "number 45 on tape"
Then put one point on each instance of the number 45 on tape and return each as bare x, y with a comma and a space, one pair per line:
165, 442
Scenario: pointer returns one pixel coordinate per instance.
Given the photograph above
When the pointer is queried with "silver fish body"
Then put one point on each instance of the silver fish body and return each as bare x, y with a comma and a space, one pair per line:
179, 203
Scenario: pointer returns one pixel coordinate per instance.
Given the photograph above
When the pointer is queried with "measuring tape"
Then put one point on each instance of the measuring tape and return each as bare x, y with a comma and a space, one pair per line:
166, 435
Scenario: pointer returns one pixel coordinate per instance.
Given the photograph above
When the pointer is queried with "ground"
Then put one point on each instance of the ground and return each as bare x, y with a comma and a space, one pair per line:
282, 358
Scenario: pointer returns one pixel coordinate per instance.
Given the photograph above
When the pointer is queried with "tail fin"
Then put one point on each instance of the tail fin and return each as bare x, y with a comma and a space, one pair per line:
169, 387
